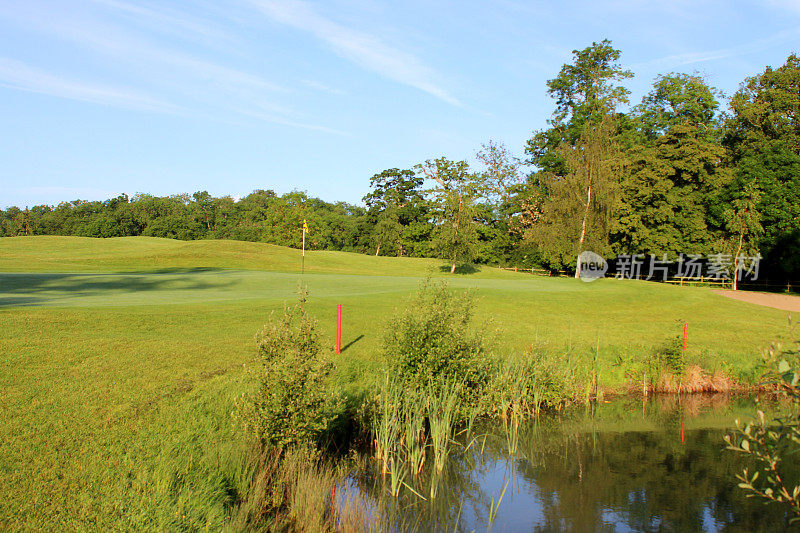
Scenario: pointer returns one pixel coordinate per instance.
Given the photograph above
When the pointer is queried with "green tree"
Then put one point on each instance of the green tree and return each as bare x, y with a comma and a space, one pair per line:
763, 141
744, 223
675, 170
202, 208
431, 341
585, 91
577, 211
502, 182
396, 210
572, 193
455, 192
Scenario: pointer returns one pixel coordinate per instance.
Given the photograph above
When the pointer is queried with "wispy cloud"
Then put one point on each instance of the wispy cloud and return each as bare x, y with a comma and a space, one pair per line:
322, 87
169, 21
18, 75
203, 87
270, 117
790, 5
364, 49
678, 60
112, 40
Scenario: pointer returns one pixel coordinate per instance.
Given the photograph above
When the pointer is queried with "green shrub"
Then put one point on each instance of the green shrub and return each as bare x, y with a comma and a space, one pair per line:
773, 444
430, 341
670, 357
295, 400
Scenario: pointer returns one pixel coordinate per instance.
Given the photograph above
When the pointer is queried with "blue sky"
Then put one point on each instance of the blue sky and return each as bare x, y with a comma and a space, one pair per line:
100, 97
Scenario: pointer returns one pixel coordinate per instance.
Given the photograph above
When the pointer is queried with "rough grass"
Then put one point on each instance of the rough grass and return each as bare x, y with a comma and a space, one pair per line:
121, 357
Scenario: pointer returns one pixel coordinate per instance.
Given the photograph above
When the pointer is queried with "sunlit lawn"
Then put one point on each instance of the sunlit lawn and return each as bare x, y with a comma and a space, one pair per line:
116, 389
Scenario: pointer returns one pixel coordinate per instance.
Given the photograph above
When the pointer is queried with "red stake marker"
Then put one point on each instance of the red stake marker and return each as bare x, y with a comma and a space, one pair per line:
683, 435
338, 329
685, 334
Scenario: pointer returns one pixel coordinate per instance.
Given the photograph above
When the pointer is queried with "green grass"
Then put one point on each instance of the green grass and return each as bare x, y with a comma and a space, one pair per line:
121, 358
148, 254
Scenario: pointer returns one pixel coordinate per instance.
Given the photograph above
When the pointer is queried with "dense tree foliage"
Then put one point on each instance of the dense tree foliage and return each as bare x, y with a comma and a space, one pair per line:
261, 216
763, 143
674, 170
674, 174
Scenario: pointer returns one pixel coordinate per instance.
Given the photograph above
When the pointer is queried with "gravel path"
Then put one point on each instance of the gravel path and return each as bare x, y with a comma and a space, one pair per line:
778, 301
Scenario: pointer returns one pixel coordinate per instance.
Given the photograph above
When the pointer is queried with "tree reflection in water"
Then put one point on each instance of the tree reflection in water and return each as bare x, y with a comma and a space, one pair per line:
617, 466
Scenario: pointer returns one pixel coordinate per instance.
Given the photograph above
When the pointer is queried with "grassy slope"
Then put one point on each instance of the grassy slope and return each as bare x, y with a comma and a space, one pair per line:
127, 254
116, 388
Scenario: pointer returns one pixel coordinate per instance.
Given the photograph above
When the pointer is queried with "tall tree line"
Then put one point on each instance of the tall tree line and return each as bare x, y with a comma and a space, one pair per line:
673, 174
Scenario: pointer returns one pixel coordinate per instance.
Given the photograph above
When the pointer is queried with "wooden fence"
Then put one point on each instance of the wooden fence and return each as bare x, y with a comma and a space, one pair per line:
537, 271
702, 280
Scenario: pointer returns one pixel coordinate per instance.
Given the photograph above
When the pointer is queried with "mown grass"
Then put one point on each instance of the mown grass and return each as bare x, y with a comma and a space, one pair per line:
121, 358
126, 254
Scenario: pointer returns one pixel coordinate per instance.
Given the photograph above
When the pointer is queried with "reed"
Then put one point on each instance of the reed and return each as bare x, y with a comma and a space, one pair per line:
442, 405
386, 425
511, 429
494, 506
414, 438
397, 475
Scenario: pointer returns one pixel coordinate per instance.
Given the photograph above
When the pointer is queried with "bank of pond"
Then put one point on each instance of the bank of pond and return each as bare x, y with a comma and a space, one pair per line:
627, 464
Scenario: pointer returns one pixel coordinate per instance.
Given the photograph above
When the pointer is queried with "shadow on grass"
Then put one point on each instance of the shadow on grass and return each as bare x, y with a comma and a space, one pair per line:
27, 289
352, 342
170, 270
460, 269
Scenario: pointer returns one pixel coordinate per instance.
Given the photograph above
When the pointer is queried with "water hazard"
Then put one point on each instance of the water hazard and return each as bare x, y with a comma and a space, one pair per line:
624, 465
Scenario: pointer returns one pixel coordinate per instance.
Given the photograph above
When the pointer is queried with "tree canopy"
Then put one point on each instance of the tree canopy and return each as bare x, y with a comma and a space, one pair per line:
676, 173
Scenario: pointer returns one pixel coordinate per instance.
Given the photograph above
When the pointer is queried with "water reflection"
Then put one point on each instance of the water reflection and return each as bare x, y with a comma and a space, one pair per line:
618, 466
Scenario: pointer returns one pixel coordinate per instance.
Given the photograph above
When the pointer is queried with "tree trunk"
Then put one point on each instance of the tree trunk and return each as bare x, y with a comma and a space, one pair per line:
378, 250
583, 231
736, 261
453, 268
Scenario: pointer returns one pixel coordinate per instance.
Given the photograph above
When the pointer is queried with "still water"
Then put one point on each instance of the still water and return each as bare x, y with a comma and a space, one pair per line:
624, 465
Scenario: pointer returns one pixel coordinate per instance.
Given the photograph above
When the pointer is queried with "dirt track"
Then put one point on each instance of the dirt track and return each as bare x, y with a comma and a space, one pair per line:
777, 301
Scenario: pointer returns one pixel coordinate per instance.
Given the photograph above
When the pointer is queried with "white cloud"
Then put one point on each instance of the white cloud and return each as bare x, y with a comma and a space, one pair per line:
111, 40
261, 115
789, 5
324, 88
18, 75
203, 87
366, 50
678, 60
169, 21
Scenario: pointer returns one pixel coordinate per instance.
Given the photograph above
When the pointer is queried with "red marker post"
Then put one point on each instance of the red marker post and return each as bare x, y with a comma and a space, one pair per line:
338, 329
685, 334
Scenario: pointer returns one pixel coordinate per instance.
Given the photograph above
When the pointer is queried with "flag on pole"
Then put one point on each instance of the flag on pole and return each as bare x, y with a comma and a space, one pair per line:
305, 226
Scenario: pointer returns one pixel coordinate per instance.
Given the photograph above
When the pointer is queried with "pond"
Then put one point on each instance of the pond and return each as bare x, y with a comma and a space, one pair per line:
623, 465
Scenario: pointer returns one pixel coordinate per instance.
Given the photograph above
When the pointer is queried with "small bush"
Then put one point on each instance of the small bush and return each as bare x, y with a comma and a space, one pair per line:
295, 400
431, 340
670, 357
